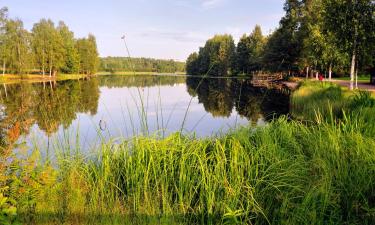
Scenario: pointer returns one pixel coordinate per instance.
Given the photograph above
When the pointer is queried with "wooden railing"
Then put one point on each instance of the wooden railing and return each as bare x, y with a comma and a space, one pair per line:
264, 79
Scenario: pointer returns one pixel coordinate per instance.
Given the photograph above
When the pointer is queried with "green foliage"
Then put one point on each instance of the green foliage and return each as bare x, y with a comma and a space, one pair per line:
352, 22
88, 54
192, 64
215, 58
313, 36
16, 46
284, 46
72, 60
8, 211
121, 64
47, 49
250, 52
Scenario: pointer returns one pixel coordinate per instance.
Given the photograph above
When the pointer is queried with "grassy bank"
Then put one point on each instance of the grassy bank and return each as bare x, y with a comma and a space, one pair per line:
12, 78
287, 172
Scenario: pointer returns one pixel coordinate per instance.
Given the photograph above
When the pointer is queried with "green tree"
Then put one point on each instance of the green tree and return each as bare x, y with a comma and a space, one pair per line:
320, 50
284, 46
4, 51
217, 56
71, 58
88, 54
17, 43
243, 55
353, 24
250, 52
48, 47
192, 64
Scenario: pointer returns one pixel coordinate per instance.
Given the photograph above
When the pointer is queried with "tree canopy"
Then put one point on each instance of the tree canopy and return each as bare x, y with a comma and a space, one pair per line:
46, 49
314, 36
122, 64
215, 58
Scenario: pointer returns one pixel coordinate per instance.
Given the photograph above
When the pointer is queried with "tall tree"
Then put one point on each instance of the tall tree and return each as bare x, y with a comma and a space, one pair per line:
71, 58
284, 45
353, 24
17, 41
88, 54
48, 47
217, 56
192, 64
4, 53
320, 50
250, 52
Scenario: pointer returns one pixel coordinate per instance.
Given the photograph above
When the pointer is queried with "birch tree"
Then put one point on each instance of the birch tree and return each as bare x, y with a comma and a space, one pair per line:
352, 22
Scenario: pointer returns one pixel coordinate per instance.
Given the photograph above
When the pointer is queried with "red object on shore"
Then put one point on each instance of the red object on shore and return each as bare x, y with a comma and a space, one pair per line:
321, 77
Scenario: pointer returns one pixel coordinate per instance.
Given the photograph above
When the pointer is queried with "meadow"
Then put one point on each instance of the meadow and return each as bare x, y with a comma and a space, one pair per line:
314, 167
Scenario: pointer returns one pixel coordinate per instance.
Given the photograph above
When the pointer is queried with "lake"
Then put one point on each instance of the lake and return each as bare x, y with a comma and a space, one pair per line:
87, 112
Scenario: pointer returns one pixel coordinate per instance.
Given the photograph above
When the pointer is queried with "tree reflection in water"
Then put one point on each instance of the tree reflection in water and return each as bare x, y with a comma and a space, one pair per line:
55, 105
220, 96
49, 105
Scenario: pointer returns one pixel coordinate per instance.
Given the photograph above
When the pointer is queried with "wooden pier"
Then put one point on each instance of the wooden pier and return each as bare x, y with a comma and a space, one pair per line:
265, 79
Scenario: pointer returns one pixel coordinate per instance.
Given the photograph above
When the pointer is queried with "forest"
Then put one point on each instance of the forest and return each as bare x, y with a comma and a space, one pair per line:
47, 49
331, 37
121, 64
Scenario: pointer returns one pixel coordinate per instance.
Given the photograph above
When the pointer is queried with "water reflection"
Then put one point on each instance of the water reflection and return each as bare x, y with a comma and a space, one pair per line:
141, 81
221, 96
48, 109
49, 105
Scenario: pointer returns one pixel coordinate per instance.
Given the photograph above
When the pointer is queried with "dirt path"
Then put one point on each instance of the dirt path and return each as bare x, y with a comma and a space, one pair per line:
361, 85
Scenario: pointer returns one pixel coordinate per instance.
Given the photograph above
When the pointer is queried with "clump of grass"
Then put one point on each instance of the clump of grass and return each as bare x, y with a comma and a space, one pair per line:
313, 98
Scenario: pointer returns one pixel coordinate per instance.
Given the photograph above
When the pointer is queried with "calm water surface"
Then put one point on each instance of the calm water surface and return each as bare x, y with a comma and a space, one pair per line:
112, 107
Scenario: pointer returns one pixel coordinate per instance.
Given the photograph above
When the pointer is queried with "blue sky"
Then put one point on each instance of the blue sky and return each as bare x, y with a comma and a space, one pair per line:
168, 29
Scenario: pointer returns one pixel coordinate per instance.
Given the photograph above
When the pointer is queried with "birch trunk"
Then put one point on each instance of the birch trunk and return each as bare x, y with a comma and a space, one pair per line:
307, 72
330, 72
43, 67
352, 71
4, 67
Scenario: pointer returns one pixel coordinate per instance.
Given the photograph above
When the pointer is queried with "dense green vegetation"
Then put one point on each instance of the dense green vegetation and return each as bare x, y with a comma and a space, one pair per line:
315, 36
121, 64
47, 49
216, 57
286, 172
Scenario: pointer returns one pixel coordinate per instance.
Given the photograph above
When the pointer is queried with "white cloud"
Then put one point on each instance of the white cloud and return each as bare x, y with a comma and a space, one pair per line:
211, 3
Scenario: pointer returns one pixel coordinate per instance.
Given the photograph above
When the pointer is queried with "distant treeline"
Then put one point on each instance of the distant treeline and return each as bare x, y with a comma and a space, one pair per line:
319, 36
118, 64
46, 49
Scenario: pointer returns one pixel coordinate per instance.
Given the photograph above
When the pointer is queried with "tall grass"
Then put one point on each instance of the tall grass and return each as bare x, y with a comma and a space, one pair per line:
286, 172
